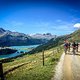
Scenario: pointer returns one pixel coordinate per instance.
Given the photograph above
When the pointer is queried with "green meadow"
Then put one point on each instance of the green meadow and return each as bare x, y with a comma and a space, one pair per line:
30, 66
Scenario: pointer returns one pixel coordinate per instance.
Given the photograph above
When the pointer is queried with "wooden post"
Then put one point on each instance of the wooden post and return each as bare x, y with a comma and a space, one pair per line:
43, 56
57, 50
53, 52
1, 71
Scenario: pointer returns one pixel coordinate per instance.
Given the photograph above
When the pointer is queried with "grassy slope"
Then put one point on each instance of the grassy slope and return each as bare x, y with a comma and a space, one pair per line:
75, 36
34, 70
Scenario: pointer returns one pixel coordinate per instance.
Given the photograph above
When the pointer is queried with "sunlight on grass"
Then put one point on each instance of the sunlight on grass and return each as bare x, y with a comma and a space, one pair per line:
34, 70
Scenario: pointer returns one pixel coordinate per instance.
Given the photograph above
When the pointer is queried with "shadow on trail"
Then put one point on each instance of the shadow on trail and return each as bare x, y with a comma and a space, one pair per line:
73, 54
77, 54
78, 51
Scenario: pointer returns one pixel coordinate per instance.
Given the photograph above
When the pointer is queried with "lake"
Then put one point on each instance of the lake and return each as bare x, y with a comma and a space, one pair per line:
20, 49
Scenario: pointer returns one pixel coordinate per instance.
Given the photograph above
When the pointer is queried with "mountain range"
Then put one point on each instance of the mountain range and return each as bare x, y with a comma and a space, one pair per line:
9, 38
75, 36
46, 36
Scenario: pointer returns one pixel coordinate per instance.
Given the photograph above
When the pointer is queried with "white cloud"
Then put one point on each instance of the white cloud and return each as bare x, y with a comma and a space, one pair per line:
77, 25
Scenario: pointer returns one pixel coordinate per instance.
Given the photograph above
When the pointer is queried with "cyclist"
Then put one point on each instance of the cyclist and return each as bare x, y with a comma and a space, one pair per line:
65, 47
69, 46
74, 47
77, 45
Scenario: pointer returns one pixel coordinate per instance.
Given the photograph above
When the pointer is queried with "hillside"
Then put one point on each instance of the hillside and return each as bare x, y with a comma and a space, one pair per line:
75, 36
9, 38
30, 67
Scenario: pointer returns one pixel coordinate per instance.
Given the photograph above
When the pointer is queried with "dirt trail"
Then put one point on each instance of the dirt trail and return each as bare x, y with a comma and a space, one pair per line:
67, 71
69, 67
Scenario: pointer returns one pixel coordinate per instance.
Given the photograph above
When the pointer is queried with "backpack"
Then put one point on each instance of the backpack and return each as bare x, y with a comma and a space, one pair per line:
66, 45
69, 44
74, 45
77, 44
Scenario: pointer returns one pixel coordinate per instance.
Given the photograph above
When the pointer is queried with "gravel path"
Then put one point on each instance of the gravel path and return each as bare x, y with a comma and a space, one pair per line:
59, 69
68, 67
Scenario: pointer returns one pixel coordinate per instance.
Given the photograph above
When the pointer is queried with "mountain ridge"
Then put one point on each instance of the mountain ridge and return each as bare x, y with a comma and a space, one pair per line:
9, 38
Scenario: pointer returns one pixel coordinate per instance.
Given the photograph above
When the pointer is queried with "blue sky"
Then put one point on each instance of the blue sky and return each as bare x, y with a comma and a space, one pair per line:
41, 16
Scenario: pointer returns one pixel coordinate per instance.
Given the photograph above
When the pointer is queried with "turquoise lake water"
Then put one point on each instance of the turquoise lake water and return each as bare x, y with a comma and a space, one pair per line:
20, 49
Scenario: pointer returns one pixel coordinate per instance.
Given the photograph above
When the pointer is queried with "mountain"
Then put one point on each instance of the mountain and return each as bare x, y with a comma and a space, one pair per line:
46, 36
9, 38
75, 36
2, 30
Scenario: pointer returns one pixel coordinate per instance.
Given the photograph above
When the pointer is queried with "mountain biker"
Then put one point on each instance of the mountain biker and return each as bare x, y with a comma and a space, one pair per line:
69, 46
74, 47
65, 47
77, 45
